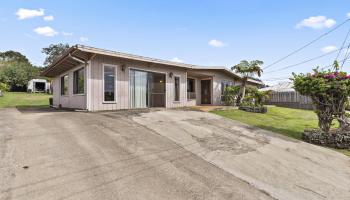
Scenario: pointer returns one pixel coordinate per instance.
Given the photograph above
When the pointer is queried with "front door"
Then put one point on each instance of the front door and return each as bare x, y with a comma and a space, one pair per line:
205, 91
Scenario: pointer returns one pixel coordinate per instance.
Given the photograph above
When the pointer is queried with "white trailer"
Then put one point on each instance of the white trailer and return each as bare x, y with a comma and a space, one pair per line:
39, 85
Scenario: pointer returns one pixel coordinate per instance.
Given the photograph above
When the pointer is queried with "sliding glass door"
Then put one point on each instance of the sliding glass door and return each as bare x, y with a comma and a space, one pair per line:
138, 89
147, 89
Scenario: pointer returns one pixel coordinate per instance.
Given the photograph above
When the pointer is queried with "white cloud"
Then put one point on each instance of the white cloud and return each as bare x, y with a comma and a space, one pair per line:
23, 13
317, 22
216, 43
348, 15
83, 39
48, 18
176, 59
46, 31
328, 49
67, 34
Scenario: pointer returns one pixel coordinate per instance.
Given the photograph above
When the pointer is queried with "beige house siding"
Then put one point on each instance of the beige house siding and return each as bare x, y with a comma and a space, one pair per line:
122, 83
92, 100
94, 59
217, 77
56, 91
70, 100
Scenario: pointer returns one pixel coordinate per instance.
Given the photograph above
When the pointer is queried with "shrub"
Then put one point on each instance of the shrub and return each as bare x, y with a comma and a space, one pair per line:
329, 91
230, 95
255, 98
4, 87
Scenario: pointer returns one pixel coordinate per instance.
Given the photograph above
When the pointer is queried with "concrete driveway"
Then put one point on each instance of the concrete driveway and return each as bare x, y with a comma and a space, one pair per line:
166, 154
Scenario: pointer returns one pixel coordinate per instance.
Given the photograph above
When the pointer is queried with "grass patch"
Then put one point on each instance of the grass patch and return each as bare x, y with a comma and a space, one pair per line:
24, 100
286, 121
344, 151
290, 122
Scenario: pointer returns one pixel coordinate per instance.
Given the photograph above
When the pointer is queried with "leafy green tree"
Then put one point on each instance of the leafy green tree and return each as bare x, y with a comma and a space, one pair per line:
247, 69
13, 56
329, 91
17, 75
53, 52
16, 70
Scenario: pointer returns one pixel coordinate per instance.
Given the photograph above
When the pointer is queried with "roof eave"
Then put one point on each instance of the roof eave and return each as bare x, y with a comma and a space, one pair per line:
58, 60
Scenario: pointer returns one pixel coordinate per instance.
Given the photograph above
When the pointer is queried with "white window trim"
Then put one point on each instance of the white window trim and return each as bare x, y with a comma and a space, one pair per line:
175, 101
64, 95
115, 83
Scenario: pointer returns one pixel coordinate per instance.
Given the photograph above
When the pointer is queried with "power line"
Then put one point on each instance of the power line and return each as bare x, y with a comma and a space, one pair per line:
331, 65
342, 46
305, 61
307, 44
347, 55
323, 68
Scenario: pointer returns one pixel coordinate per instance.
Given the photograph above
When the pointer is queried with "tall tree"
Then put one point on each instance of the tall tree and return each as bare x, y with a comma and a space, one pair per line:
247, 69
16, 70
13, 56
53, 52
17, 74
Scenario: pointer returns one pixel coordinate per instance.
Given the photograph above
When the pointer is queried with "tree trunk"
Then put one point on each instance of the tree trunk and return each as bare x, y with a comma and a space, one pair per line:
343, 122
242, 91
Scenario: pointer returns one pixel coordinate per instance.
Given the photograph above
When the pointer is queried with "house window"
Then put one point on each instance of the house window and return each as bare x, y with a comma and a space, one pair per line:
78, 81
191, 88
109, 83
177, 89
64, 85
191, 85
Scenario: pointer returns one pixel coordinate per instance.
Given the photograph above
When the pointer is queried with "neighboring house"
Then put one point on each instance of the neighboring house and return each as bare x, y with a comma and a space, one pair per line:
95, 79
38, 85
283, 94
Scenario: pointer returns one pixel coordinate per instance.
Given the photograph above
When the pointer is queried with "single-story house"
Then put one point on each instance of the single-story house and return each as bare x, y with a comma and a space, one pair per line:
39, 85
95, 79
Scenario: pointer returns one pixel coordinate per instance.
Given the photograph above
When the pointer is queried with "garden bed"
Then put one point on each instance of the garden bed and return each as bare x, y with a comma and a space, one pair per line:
262, 109
335, 138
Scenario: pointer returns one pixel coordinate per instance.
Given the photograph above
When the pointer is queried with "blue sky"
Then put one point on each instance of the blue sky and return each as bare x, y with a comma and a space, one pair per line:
203, 32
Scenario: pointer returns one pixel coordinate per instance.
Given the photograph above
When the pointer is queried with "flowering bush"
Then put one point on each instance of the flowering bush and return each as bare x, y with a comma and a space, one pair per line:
329, 92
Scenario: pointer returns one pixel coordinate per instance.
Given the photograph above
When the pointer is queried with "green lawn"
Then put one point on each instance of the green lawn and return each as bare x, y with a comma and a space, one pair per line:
286, 121
290, 122
23, 99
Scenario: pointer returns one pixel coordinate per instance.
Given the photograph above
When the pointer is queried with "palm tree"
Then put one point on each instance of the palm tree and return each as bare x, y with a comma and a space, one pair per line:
247, 69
